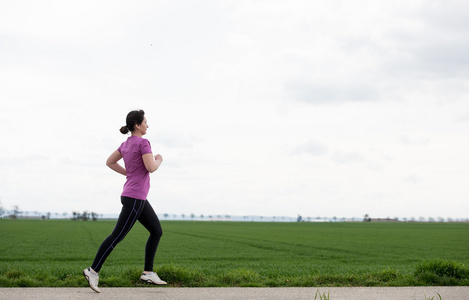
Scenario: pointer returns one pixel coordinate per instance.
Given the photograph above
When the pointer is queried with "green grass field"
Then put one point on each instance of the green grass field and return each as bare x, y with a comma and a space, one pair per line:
54, 252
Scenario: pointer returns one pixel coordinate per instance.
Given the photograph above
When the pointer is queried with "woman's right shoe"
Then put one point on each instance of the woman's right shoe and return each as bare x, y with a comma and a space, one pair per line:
152, 278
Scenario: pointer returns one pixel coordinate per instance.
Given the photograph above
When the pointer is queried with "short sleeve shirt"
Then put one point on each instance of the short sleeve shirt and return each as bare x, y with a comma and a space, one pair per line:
137, 184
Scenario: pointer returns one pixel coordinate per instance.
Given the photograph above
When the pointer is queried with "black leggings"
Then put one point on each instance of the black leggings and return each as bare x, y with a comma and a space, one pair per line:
132, 210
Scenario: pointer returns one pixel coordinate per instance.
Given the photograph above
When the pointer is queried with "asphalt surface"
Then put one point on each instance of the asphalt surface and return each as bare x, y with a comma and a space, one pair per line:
333, 293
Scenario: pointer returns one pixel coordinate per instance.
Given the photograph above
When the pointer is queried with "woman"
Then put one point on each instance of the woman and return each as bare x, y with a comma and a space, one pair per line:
139, 163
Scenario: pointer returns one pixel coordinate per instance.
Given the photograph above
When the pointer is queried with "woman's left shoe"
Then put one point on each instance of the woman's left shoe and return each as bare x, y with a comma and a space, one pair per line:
92, 279
152, 278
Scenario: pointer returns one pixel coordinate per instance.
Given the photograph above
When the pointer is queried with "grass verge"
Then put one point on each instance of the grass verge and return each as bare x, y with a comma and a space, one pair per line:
429, 273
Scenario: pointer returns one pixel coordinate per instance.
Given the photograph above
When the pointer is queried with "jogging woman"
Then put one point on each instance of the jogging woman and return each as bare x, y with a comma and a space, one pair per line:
139, 163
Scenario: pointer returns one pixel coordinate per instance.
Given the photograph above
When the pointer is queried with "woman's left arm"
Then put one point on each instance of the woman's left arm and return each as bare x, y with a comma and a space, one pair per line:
112, 163
152, 163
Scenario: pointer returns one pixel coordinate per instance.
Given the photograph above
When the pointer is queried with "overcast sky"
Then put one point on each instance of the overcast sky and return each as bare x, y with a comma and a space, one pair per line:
274, 108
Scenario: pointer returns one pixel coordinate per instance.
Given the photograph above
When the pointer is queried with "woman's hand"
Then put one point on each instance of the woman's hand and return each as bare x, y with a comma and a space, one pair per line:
159, 157
152, 163
112, 163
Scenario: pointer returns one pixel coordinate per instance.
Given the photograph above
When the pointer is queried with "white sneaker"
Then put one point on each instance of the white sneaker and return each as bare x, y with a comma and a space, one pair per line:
152, 278
92, 280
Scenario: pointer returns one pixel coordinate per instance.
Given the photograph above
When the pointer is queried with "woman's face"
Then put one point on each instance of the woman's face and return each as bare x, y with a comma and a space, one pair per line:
142, 127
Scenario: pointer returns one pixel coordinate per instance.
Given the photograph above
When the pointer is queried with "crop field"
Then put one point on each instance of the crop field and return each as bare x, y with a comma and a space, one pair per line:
54, 252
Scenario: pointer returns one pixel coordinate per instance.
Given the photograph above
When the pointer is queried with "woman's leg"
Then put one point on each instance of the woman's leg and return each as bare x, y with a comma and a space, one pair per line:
150, 221
131, 210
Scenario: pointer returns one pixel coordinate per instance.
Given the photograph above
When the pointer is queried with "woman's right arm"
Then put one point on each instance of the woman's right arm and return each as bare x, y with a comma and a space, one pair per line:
112, 163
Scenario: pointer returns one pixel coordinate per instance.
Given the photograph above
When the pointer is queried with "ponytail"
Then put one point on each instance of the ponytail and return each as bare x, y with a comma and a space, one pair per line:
124, 130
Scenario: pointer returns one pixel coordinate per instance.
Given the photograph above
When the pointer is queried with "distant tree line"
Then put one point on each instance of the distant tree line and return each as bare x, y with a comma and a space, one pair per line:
85, 216
201, 217
17, 213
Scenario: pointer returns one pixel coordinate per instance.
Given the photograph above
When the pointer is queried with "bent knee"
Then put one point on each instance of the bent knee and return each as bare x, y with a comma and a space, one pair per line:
160, 233
157, 233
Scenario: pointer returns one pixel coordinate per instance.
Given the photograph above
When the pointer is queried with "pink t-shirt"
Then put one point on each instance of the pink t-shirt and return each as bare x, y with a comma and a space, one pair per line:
137, 184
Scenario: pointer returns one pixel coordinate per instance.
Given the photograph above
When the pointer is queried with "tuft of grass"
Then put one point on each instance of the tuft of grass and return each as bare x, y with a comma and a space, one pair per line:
14, 274
319, 296
441, 272
182, 276
433, 298
240, 277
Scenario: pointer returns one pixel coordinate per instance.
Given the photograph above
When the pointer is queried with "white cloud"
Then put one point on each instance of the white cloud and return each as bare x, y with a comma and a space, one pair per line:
347, 157
329, 94
312, 147
407, 141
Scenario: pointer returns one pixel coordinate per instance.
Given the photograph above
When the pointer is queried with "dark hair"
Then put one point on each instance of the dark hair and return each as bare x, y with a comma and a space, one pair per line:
134, 117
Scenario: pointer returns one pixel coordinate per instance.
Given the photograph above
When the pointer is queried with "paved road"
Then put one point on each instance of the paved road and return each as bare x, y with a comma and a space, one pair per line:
335, 293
